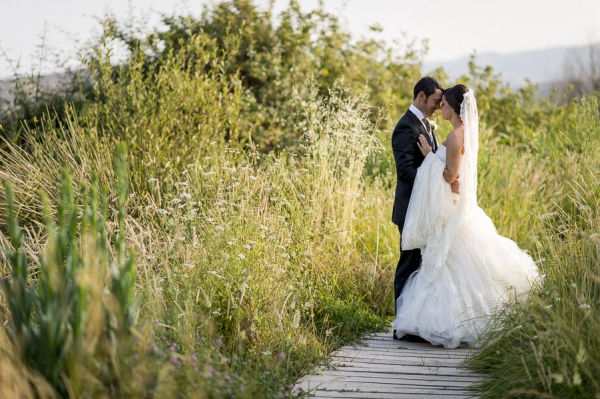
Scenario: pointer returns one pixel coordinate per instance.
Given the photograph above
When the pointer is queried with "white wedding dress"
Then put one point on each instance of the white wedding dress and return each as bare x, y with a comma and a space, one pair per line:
468, 270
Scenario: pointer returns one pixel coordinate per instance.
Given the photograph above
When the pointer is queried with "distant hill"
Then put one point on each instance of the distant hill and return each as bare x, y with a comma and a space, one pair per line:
545, 67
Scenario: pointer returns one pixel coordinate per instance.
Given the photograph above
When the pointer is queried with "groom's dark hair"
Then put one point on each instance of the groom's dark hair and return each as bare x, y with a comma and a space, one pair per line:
427, 85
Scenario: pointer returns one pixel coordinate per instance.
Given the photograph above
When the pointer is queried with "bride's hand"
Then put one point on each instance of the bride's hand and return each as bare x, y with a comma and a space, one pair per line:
423, 145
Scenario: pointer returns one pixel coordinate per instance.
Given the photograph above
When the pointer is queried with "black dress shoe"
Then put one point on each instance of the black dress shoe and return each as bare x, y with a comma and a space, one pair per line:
394, 336
412, 338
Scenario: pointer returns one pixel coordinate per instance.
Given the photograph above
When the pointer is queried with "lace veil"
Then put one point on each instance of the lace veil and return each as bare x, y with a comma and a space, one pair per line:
467, 178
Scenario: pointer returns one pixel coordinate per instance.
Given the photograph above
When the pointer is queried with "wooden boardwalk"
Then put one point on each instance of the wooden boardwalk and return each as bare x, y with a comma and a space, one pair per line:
383, 368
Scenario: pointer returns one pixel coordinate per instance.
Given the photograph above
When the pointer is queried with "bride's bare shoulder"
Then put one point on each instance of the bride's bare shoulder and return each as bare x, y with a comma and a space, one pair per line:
456, 138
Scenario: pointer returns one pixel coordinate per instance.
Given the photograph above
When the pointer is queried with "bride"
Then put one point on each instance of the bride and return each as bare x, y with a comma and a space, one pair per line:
468, 270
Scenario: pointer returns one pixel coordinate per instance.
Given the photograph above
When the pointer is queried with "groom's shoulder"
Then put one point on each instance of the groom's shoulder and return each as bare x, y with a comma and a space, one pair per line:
405, 121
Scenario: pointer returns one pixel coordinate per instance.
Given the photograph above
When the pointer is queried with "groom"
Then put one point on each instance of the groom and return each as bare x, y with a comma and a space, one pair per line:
427, 99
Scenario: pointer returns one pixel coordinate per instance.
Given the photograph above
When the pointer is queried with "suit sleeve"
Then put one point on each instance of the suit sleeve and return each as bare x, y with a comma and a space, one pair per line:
405, 147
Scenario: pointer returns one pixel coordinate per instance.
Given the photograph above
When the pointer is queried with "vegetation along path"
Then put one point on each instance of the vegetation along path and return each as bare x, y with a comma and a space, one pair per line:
380, 367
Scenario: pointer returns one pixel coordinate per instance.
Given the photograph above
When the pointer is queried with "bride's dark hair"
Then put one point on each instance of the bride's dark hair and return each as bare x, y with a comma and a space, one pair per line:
455, 96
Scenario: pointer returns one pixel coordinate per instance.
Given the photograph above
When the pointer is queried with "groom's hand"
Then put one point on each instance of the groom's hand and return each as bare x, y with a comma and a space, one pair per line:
454, 186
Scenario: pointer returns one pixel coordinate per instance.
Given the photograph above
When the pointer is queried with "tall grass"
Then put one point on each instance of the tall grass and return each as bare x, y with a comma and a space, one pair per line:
255, 263
548, 347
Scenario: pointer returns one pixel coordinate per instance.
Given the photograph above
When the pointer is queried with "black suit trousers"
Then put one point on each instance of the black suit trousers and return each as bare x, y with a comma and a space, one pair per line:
409, 262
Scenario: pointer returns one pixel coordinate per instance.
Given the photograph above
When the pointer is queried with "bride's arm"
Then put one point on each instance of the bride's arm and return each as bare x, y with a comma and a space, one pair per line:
454, 147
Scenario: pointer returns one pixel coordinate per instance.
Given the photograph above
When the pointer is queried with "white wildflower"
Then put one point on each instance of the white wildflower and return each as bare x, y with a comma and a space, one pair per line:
287, 256
266, 353
163, 211
584, 208
185, 195
151, 256
213, 142
247, 246
241, 256
574, 285
253, 178
584, 306
219, 228
190, 165
540, 260
181, 183
230, 243
152, 180
216, 313
547, 215
190, 265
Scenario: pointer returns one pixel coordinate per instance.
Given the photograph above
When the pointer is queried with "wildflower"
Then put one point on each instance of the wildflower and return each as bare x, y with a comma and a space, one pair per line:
163, 211
540, 260
219, 228
151, 256
194, 358
282, 355
185, 195
574, 285
584, 306
190, 265
213, 142
241, 256
584, 208
266, 353
242, 388
548, 306
247, 246
181, 183
152, 180
175, 360
182, 238
253, 178
287, 256
219, 341
210, 220
230, 243
216, 313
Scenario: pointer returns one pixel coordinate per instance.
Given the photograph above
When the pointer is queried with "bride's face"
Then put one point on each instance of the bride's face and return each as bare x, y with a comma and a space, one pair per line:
446, 109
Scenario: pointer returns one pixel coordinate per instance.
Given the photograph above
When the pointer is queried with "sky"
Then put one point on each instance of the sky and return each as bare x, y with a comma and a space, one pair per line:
454, 28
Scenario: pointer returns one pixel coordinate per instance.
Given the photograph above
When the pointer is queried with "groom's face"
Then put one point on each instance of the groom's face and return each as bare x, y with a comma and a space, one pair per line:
428, 105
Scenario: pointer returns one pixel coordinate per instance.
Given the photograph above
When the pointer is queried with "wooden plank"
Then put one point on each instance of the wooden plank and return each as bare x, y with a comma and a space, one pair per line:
413, 377
406, 360
349, 352
370, 388
394, 380
385, 395
380, 367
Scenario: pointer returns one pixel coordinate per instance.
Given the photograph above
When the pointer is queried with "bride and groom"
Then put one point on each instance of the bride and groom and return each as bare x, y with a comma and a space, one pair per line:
455, 270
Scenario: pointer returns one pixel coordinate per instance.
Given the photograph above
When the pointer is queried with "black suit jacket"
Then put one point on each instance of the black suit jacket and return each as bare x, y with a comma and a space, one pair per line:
408, 158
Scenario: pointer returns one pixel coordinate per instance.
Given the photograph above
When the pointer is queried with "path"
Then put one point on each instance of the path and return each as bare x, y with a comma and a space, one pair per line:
383, 368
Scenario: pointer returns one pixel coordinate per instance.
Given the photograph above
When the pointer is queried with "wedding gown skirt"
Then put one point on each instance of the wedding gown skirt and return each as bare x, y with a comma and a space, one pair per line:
450, 303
